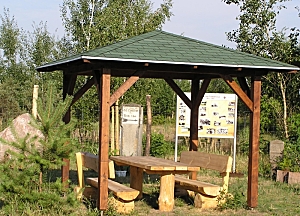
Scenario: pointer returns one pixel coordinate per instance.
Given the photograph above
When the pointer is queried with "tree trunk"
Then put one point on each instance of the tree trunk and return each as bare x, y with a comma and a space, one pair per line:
283, 93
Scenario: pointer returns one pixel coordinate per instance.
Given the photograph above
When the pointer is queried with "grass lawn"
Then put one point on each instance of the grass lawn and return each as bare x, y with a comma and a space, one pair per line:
274, 198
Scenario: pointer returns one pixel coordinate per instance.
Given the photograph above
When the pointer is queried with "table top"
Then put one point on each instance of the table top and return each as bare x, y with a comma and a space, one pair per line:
153, 163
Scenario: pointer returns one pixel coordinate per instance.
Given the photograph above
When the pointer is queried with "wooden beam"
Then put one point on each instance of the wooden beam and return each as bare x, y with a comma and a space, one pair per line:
201, 92
252, 193
240, 93
69, 81
194, 116
82, 90
124, 87
179, 92
244, 85
103, 87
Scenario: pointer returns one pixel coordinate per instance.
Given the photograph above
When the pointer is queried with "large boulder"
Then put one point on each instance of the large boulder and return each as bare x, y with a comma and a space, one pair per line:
22, 127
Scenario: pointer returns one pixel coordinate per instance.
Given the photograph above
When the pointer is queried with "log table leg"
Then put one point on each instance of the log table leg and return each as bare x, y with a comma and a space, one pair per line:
166, 192
136, 180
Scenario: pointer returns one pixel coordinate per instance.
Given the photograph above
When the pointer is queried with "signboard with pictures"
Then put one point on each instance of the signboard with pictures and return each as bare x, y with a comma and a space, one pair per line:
217, 116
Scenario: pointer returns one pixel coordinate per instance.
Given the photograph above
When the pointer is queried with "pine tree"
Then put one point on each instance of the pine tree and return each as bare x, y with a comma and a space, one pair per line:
30, 162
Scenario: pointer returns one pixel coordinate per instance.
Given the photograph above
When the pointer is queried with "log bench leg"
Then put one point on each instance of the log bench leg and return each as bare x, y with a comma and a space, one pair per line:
136, 180
166, 192
121, 206
205, 202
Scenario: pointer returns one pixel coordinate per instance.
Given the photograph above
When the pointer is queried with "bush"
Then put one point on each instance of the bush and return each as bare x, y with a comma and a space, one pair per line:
159, 146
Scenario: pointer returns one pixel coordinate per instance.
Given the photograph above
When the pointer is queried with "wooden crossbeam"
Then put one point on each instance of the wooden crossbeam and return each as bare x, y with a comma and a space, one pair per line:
237, 89
124, 87
179, 92
82, 90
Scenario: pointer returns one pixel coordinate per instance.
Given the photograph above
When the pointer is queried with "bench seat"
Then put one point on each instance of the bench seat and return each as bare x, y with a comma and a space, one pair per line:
123, 196
206, 195
119, 190
197, 186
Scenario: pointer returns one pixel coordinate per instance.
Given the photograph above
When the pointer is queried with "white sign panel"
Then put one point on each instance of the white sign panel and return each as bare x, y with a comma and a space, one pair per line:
130, 115
217, 114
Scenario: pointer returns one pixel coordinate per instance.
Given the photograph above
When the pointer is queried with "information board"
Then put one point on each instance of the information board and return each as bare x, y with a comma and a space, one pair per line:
217, 116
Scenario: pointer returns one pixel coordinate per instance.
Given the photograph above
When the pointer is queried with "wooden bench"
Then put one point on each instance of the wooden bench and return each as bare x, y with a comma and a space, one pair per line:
205, 194
123, 196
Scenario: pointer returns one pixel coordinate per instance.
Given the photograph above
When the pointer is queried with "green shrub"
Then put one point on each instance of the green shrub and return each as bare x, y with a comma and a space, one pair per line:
290, 161
159, 146
234, 200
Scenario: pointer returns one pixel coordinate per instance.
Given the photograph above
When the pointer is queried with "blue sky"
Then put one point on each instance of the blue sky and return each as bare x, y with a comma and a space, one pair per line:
205, 20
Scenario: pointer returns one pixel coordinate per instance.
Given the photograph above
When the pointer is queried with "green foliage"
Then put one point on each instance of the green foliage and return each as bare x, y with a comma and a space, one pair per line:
91, 24
291, 154
264, 169
271, 114
36, 155
243, 140
257, 34
235, 201
57, 142
290, 160
159, 146
50, 201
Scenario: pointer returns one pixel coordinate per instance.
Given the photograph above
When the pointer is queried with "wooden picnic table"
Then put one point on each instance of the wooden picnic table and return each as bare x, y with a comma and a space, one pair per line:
152, 165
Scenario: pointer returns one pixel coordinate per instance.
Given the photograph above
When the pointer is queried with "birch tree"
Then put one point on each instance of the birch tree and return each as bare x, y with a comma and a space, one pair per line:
96, 23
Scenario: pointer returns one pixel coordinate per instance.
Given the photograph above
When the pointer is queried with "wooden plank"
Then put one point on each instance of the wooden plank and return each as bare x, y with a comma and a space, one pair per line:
79, 164
103, 88
197, 186
216, 162
252, 192
90, 161
124, 87
158, 172
119, 190
153, 163
179, 92
237, 89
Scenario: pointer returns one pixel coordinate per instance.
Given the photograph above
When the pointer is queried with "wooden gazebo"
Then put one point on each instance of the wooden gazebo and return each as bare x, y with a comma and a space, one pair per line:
163, 55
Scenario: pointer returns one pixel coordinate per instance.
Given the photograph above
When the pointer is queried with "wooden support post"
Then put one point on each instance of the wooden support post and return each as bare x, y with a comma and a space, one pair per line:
252, 194
194, 116
166, 194
149, 122
117, 128
112, 130
103, 88
136, 180
34, 101
68, 88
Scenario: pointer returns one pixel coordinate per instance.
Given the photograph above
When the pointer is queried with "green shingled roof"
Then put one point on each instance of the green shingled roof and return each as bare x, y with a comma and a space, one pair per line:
163, 47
